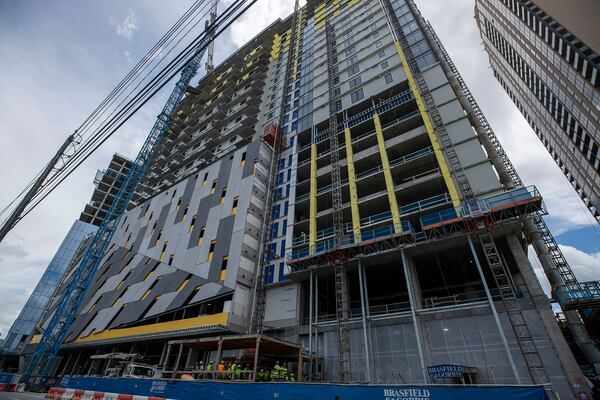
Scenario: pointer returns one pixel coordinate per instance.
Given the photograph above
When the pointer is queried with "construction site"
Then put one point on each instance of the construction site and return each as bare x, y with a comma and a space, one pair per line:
327, 205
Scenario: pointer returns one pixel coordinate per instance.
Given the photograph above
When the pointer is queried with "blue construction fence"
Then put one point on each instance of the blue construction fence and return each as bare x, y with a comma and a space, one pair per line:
7, 378
200, 390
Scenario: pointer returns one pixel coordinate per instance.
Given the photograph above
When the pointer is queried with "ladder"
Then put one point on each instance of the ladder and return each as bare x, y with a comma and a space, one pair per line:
256, 325
481, 225
338, 258
513, 310
560, 262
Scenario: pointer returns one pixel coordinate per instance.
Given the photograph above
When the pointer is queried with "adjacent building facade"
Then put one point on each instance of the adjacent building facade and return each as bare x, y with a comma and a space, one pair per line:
545, 54
394, 230
107, 183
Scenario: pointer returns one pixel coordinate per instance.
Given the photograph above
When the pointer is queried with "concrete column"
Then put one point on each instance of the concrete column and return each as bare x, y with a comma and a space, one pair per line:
544, 309
362, 284
413, 310
574, 322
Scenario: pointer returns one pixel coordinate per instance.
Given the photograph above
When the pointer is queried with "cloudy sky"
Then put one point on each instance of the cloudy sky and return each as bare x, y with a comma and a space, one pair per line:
59, 59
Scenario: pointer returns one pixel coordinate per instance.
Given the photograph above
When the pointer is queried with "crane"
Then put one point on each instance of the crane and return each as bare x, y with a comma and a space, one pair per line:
45, 355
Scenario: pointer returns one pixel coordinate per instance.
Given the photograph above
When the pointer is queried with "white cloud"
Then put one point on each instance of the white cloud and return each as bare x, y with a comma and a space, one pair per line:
126, 27
585, 266
258, 17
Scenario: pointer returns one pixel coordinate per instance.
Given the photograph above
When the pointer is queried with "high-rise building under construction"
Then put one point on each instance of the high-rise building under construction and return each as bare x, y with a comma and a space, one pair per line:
333, 183
546, 55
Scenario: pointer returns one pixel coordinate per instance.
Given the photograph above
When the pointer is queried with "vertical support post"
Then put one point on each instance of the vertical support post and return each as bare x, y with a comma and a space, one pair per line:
413, 312
165, 365
315, 365
300, 365
179, 353
361, 284
219, 350
162, 354
310, 321
76, 363
256, 358
494, 311
352, 185
387, 174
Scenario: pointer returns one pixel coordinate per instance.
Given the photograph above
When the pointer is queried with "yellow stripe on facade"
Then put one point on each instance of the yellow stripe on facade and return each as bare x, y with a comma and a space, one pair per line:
352, 185
387, 174
352, 2
312, 234
320, 16
336, 7
196, 322
435, 144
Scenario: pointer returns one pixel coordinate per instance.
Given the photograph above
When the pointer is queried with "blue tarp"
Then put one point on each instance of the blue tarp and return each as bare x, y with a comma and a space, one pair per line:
6, 378
201, 390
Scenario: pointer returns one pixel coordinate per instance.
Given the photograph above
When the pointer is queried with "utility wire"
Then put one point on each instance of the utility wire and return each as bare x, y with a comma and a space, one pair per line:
175, 66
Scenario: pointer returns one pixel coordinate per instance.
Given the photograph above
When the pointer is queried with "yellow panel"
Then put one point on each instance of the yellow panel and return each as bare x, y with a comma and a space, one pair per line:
312, 235
439, 154
320, 16
36, 339
387, 174
336, 7
352, 185
196, 322
352, 2
222, 275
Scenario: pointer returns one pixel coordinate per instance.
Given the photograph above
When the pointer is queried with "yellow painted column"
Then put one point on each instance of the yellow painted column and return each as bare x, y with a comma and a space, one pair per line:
352, 186
312, 234
435, 144
389, 181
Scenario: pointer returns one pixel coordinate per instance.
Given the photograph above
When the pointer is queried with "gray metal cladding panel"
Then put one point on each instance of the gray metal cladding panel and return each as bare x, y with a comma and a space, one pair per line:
222, 245
251, 154
185, 199
201, 218
159, 224
132, 313
168, 283
222, 180
138, 239
109, 298
161, 304
80, 322
183, 294
139, 273
209, 291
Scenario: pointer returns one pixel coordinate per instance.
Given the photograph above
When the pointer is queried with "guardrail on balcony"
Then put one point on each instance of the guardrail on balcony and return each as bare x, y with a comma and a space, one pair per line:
578, 295
478, 207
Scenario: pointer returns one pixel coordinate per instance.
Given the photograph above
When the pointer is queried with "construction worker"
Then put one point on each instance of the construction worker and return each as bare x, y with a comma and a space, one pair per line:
283, 373
210, 368
246, 372
221, 369
232, 370
275, 372
262, 375
201, 368
238, 370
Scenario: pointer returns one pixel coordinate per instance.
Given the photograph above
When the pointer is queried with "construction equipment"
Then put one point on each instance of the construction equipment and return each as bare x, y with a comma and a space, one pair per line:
43, 360
258, 315
338, 258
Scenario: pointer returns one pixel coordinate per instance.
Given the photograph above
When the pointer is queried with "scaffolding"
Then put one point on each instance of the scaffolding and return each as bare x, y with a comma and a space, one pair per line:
338, 258
258, 316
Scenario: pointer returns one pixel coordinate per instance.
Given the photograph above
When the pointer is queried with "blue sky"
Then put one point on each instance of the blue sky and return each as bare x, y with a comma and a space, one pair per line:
59, 59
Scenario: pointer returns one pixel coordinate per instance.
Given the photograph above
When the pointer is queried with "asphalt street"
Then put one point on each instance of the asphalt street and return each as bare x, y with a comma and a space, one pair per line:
21, 396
